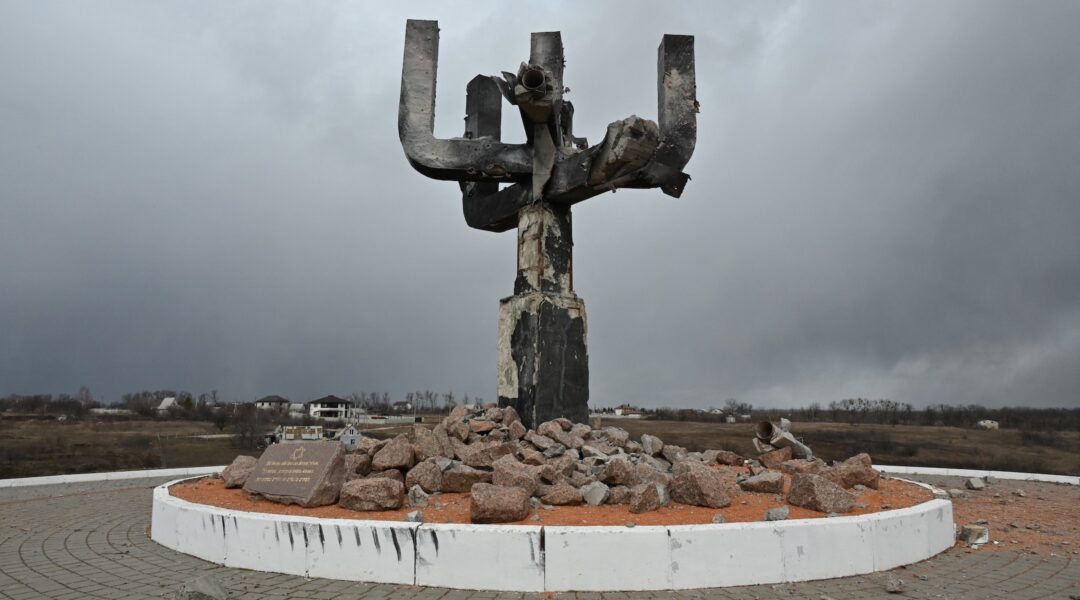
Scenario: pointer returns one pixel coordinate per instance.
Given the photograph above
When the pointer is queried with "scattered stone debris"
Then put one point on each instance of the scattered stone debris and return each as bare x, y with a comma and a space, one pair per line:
893, 584
818, 493
498, 503
595, 493
417, 497
415, 516
236, 474
202, 588
777, 514
974, 534
857, 470
357, 465
769, 482
719, 518
975, 483
378, 493
774, 458
648, 497
426, 475
510, 470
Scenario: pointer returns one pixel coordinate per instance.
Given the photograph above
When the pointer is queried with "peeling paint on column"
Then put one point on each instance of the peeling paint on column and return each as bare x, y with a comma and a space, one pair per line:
543, 357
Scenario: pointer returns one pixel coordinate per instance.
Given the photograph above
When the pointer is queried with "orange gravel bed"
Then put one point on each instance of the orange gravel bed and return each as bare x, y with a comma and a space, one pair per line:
454, 507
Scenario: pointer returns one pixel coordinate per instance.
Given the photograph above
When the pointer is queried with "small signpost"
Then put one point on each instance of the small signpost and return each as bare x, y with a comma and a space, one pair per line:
304, 473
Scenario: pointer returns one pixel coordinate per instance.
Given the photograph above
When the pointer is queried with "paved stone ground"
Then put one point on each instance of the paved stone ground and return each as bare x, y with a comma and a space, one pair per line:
90, 541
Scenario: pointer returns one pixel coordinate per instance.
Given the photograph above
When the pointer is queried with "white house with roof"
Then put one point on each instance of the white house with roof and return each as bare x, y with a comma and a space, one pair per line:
273, 403
167, 403
330, 408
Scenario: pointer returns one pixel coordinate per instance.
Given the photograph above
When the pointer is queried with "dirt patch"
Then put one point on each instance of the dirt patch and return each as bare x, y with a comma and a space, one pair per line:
454, 507
1045, 520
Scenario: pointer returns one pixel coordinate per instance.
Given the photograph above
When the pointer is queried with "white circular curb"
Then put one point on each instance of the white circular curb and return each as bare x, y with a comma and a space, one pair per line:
540, 558
544, 558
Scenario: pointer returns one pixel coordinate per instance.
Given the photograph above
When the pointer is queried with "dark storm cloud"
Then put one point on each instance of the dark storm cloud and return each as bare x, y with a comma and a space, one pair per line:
212, 195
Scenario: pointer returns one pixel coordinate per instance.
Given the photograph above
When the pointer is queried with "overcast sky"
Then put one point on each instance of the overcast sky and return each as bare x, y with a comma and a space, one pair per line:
885, 202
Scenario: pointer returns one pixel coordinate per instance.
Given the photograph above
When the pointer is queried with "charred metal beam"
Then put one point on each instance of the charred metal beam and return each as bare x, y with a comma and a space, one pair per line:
455, 159
483, 206
495, 211
677, 105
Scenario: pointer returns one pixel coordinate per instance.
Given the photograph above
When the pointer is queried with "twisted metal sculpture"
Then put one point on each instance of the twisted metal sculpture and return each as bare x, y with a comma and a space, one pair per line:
543, 360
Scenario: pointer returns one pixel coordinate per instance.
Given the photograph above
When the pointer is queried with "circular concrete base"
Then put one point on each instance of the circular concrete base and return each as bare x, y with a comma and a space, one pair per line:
547, 558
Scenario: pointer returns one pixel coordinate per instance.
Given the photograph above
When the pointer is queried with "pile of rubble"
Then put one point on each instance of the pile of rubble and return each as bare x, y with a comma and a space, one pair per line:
508, 470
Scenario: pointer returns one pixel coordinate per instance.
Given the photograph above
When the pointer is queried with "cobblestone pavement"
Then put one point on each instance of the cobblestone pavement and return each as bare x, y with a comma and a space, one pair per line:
90, 541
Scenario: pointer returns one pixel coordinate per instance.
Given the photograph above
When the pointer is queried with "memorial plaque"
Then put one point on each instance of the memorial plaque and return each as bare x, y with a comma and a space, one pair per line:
305, 473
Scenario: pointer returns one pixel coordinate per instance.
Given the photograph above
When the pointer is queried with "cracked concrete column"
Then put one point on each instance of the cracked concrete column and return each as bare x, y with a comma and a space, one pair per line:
543, 359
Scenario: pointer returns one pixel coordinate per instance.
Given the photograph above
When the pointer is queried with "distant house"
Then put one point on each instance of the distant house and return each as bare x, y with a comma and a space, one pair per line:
350, 436
166, 404
402, 406
112, 412
626, 410
330, 408
987, 424
298, 409
716, 411
273, 403
729, 419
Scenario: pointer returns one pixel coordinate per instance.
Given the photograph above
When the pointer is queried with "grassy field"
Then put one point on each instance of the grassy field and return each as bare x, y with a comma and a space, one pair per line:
30, 448
39, 447
1003, 450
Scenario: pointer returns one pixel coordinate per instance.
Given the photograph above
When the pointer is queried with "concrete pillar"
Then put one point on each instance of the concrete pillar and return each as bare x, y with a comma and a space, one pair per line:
543, 358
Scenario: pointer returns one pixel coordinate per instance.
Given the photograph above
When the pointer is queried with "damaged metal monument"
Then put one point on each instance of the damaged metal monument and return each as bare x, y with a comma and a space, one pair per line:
543, 359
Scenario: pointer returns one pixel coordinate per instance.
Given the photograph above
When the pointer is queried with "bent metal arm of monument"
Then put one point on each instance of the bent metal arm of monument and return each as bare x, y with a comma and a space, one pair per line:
635, 153
454, 159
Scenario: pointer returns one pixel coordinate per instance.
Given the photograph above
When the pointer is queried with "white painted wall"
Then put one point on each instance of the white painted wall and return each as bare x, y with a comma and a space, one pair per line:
534, 558
607, 558
506, 558
1011, 475
112, 476
375, 551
